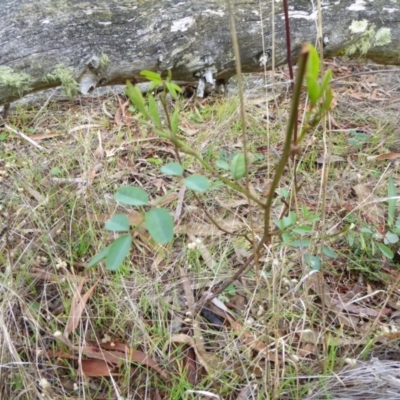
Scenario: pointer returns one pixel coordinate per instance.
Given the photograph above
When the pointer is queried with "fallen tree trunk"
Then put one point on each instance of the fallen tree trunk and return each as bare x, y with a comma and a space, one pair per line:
83, 45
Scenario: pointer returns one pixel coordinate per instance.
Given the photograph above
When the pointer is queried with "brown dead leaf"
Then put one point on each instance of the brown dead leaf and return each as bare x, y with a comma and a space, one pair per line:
189, 363
307, 350
134, 356
114, 354
158, 262
248, 392
43, 136
93, 172
387, 156
188, 131
95, 352
77, 306
137, 356
117, 358
238, 301
157, 395
207, 360
95, 368
61, 354
35, 194
356, 96
122, 115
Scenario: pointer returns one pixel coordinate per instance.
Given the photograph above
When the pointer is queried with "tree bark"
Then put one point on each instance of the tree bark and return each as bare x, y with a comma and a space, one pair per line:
85, 44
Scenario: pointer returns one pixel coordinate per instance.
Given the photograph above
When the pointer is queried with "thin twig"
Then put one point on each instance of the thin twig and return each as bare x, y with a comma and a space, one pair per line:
378, 71
327, 160
27, 138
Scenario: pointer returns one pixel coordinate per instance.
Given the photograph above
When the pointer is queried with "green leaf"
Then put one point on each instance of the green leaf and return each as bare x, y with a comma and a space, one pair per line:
362, 242
231, 290
154, 161
302, 229
286, 237
132, 196
392, 202
222, 164
153, 111
152, 86
308, 215
313, 89
279, 224
378, 236
313, 262
160, 225
3, 136
328, 99
163, 134
152, 76
366, 230
175, 121
169, 76
313, 63
301, 243
358, 139
176, 87
117, 252
98, 257
198, 183
134, 93
56, 171
351, 239
118, 223
290, 219
171, 89
35, 307
329, 252
391, 237
238, 166
326, 81
216, 185
385, 250
284, 193
173, 169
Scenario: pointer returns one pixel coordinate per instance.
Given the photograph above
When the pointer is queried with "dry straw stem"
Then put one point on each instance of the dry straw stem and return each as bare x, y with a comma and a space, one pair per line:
372, 380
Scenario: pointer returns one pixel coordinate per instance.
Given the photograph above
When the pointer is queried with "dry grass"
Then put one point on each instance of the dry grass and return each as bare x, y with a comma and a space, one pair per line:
284, 338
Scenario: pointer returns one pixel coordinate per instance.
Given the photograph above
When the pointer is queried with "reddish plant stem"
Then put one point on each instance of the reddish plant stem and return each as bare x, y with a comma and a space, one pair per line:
289, 59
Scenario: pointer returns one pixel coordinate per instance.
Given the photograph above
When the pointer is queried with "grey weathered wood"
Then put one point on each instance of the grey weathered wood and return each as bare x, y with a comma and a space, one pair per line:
44, 43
